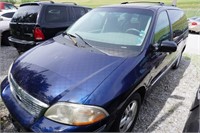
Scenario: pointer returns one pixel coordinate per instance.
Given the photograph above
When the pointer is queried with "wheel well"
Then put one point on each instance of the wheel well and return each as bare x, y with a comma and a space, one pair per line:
142, 92
183, 49
7, 31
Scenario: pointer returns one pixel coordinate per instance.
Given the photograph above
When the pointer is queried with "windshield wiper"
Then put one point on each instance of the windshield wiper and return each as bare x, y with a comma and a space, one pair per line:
88, 43
71, 37
84, 40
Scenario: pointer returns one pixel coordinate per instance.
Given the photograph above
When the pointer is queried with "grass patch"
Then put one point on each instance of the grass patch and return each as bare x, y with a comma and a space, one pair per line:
195, 59
191, 7
186, 57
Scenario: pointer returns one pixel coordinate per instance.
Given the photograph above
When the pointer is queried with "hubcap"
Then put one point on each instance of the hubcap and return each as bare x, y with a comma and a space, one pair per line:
128, 116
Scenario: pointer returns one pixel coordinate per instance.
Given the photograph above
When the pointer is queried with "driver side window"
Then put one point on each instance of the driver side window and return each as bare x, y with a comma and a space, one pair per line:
162, 30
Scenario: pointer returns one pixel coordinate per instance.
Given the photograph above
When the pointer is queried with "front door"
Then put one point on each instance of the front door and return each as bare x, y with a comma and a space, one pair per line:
160, 60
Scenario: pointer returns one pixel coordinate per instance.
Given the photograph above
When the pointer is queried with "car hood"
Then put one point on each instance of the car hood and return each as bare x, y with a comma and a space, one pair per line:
51, 72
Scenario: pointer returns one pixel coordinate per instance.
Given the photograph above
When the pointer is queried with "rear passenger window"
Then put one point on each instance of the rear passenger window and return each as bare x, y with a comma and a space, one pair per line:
56, 14
162, 31
8, 15
179, 22
79, 12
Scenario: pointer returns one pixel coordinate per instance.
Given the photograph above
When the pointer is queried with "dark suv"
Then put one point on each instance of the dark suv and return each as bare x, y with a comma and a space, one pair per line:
107, 61
39, 21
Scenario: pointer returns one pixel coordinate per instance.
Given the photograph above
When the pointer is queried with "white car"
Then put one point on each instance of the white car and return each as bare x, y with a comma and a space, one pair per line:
194, 24
5, 17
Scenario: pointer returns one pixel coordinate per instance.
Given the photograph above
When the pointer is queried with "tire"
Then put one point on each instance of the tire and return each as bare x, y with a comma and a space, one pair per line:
60, 32
5, 36
19, 52
177, 63
128, 114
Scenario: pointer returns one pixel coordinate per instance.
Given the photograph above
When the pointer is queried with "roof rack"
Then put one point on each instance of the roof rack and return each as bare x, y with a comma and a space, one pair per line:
70, 3
44, 1
160, 3
36, 2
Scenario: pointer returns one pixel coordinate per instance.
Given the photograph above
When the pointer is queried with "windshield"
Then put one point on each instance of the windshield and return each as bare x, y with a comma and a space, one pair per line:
115, 31
9, 6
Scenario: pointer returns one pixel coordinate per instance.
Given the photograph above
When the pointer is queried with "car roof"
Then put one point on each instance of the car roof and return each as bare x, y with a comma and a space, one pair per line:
51, 3
8, 10
143, 5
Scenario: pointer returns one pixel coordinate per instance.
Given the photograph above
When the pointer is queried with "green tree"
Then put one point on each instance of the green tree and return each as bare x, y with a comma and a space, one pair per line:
10, 1
24, 1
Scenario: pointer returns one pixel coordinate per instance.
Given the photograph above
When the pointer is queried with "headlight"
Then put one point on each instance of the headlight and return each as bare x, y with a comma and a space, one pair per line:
75, 114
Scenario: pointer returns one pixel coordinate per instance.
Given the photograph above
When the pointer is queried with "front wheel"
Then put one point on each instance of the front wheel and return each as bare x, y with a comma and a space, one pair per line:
19, 51
128, 114
177, 63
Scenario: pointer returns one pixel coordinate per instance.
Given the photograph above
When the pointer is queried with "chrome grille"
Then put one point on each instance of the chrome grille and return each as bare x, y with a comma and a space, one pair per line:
28, 102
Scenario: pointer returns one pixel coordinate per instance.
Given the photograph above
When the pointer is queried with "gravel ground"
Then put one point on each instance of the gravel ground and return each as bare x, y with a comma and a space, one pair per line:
7, 55
167, 105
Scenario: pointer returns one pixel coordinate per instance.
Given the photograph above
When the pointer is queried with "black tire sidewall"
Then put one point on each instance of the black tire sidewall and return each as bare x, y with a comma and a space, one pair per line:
177, 63
115, 126
5, 36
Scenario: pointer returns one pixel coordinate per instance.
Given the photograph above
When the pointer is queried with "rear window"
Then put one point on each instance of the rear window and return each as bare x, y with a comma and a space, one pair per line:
198, 19
56, 14
26, 14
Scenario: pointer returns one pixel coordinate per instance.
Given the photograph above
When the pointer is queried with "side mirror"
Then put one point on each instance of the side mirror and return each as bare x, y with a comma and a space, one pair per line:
1, 19
167, 46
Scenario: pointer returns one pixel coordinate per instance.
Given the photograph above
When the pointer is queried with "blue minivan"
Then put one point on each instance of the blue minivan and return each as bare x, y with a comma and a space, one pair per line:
94, 76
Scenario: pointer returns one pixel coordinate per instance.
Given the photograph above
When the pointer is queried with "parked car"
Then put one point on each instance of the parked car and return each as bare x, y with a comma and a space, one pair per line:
7, 6
94, 76
39, 21
5, 17
193, 121
194, 24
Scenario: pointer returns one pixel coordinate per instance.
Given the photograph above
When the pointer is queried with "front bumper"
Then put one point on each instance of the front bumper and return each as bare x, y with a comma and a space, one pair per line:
25, 121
